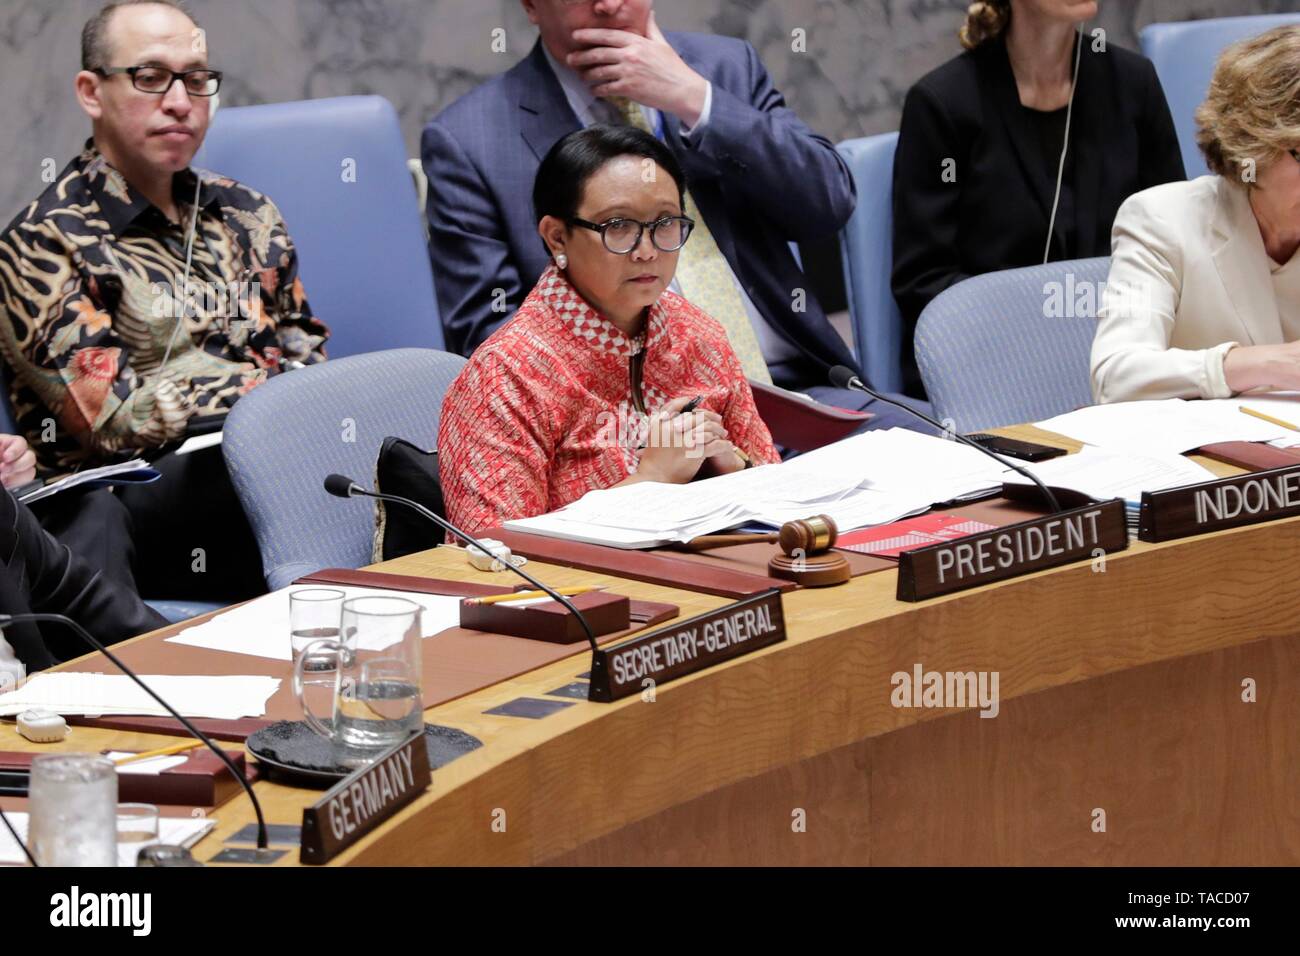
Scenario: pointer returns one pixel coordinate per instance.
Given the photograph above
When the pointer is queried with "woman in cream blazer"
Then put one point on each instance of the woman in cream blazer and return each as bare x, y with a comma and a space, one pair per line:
1203, 296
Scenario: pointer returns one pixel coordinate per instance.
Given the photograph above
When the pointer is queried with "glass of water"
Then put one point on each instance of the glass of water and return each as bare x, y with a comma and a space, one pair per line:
314, 615
73, 806
137, 824
383, 706
376, 687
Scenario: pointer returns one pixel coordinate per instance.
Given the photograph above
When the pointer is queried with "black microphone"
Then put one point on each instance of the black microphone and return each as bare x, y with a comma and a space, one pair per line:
262, 841
341, 487
844, 377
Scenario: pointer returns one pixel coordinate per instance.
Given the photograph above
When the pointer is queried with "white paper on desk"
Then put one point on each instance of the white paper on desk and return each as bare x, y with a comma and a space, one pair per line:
71, 693
1172, 426
175, 831
150, 766
1281, 405
1104, 474
261, 627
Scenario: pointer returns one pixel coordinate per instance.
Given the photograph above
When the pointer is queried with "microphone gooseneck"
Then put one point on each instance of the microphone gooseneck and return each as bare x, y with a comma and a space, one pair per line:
343, 487
843, 377
262, 841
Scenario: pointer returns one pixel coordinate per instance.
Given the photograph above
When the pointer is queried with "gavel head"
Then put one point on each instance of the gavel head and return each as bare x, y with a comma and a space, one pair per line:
808, 535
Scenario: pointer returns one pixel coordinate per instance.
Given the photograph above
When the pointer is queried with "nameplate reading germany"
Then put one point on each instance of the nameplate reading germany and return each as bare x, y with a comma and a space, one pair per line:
1225, 503
686, 647
1074, 535
363, 800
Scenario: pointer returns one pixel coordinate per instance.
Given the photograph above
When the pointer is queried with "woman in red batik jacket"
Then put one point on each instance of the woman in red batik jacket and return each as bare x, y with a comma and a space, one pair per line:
586, 386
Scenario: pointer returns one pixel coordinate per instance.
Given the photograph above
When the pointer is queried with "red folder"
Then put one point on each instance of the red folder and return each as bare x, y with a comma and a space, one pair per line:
802, 425
1253, 456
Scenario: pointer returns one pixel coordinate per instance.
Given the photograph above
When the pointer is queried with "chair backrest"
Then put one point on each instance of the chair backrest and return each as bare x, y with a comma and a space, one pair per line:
285, 436
1184, 55
337, 170
1013, 346
867, 253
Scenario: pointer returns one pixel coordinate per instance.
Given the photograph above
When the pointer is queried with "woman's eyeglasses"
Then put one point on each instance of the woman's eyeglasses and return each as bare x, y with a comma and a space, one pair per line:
157, 79
621, 236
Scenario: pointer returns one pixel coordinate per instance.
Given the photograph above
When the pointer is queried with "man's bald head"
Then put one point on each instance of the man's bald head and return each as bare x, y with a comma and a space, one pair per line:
96, 39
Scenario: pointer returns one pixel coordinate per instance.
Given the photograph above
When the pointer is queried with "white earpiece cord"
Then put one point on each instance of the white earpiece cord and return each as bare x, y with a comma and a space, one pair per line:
1065, 148
185, 282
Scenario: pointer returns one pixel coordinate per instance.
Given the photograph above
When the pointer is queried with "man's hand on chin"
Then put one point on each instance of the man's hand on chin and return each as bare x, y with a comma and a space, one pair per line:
645, 69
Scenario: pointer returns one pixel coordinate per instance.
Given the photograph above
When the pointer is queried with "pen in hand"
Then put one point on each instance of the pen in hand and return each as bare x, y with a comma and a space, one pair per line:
689, 407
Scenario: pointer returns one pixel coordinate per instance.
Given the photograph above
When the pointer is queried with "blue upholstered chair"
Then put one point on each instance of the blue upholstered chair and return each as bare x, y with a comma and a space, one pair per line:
284, 437
1013, 346
337, 170
1184, 56
867, 251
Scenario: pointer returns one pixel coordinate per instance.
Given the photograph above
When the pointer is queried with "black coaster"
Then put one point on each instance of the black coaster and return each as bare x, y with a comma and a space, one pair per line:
533, 708
294, 753
244, 856
577, 690
283, 834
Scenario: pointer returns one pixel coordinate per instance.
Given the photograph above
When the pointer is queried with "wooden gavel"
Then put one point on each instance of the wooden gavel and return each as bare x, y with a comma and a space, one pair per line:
806, 536
806, 545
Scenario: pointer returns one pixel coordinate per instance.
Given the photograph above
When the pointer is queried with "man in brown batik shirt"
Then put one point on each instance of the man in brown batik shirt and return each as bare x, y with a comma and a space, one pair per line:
112, 352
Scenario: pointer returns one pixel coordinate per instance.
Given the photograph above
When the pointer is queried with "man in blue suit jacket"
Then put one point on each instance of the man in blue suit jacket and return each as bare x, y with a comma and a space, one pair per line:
760, 177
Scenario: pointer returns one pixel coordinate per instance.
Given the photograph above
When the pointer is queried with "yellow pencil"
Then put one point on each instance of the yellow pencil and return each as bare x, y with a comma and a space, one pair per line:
160, 752
526, 595
1269, 418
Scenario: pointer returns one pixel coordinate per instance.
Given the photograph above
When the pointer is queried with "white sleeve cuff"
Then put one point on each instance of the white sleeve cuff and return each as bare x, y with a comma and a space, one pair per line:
1216, 381
703, 121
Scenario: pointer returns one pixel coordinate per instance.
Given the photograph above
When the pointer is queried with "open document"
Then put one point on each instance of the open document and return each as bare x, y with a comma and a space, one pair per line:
865, 479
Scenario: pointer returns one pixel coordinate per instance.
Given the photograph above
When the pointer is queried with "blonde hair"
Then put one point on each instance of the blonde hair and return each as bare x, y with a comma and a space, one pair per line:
1251, 115
985, 20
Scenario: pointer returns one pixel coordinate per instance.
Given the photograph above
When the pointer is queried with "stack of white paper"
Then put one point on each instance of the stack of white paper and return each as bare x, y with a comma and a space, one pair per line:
1284, 406
1172, 426
865, 479
172, 831
1104, 474
66, 693
261, 627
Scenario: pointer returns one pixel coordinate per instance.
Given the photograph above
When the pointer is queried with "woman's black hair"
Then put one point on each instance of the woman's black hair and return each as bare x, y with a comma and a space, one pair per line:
575, 159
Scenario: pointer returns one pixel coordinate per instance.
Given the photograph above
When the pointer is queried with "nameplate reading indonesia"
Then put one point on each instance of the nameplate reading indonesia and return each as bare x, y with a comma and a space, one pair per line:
1223, 503
1062, 538
363, 800
686, 647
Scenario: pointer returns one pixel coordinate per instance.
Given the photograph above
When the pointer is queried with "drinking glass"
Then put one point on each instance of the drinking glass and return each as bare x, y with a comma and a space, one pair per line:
73, 806
376, 692
137, 824
314, 615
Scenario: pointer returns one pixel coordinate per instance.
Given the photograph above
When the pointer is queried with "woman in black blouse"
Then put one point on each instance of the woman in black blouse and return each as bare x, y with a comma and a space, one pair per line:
980, 149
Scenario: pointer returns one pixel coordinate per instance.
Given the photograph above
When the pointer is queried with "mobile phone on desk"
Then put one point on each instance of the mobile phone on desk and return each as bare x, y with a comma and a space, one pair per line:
1014, 448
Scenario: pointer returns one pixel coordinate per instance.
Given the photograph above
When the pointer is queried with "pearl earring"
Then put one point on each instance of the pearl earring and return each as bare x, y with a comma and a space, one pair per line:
561, 261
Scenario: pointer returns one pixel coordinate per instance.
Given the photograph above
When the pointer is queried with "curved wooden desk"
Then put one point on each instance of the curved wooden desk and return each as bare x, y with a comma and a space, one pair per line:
1121, 705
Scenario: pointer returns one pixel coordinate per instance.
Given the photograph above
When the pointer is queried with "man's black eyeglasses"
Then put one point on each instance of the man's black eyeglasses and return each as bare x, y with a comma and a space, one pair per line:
157, 79
621, 236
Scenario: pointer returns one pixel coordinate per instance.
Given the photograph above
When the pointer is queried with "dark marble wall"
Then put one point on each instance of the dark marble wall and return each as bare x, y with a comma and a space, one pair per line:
861, 56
